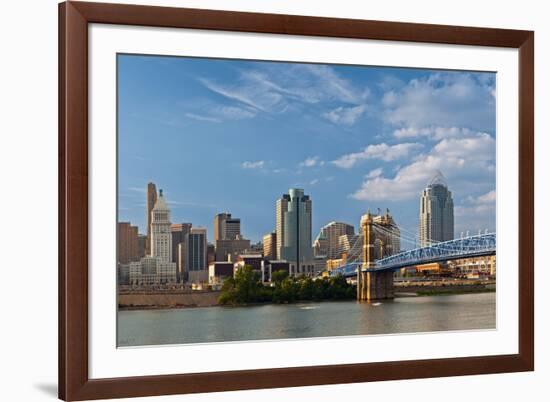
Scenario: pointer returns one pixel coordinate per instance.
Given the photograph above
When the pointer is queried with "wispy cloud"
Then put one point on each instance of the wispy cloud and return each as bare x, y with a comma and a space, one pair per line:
244, 94
202, 118
138, 189
311, 162
345, 115
253, 165
189, 204
234, 113
381, 151
272, 90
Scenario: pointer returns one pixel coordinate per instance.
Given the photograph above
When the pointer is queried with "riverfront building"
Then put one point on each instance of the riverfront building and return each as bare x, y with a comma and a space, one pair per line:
219, 271
436, 212
293, 231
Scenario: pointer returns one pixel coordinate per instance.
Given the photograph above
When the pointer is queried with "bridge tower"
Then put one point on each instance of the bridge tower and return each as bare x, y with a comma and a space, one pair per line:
373, 286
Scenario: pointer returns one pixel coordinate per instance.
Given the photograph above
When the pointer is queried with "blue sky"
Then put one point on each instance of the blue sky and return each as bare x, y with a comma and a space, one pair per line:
229, 135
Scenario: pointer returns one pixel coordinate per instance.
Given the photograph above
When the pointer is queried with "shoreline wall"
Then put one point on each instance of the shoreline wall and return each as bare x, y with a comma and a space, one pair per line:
163, 300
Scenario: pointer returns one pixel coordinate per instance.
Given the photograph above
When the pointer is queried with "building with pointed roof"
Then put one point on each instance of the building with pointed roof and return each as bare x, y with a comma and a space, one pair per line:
436, 212
156, 268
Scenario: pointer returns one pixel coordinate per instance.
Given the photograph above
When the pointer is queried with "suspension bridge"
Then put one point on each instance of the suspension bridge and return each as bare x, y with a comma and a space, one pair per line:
466, 247
380, 254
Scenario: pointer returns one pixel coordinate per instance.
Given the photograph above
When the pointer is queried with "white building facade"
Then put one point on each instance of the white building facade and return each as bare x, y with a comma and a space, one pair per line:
157, 268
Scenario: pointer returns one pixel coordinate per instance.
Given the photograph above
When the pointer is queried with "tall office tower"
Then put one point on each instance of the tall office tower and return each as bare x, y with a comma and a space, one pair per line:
226, 227
179, 237
161, 236
151, 201
270, 246
281, 207
128, 244
294, 227
196, 250
436, 212
326, 242
156, 268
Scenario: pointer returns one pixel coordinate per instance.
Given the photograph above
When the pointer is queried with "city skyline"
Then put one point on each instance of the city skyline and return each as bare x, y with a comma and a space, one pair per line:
371, 139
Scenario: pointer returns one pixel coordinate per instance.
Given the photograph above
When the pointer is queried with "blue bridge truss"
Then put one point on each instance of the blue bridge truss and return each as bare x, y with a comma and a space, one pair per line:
467, 247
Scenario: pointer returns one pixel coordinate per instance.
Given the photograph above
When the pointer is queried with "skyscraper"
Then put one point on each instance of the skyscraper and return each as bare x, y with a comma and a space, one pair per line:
151, 201
281, 207
179, 240
436, 212
293, 216
196, 249
328, 238
156, 267
226, 227
161, 235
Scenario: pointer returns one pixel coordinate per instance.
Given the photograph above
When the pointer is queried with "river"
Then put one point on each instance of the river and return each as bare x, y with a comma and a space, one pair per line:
305, 320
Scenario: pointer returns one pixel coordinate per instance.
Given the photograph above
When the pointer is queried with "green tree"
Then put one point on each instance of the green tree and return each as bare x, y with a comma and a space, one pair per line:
278, 276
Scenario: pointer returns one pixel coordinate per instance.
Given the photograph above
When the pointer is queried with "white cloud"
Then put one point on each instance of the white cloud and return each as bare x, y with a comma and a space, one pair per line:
381, 151
253, 165
345, 115
477, 213
470, 162
311, 162
443, 100
375, 173
433, 133
482, 201
313, 182
199, 117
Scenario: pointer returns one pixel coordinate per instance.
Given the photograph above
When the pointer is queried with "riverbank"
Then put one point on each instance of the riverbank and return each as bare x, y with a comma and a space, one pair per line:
167, 300
442, 288
189, 299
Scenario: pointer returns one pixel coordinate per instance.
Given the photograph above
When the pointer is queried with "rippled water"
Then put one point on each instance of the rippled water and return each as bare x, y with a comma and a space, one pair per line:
218, 324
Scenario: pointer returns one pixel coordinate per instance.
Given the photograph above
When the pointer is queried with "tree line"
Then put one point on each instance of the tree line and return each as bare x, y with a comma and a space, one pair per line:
246, 287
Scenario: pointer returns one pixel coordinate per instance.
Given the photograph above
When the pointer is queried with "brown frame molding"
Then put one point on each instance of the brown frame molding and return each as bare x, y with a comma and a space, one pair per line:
74, 17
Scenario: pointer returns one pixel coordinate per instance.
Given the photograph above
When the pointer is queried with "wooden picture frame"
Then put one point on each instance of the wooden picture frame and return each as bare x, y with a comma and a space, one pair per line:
74, 381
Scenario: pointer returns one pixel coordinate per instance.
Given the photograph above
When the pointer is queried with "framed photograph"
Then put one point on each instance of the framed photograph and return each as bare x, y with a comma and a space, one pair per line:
260, 200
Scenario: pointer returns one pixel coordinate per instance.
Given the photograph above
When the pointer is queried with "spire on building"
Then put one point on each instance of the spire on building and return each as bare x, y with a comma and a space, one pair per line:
161, 202
438, 179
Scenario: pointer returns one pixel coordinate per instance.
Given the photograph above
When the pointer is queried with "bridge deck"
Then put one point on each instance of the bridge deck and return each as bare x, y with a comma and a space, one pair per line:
467, 247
